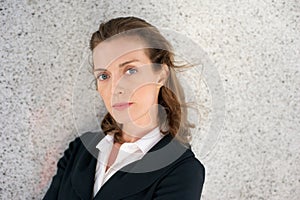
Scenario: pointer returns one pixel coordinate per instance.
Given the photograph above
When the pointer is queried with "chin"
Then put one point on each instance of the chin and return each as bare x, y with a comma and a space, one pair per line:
121, 119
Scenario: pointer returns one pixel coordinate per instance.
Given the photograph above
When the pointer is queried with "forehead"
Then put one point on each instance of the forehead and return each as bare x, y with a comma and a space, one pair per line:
118, 50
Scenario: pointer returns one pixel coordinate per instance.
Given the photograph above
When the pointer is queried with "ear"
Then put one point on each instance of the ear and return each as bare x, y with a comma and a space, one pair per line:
164, 74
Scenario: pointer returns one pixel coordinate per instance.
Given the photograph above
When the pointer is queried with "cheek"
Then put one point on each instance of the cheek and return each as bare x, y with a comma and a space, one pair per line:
146, 95
106, 97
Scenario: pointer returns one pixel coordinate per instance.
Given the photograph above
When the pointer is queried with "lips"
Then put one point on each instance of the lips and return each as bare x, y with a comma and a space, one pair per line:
122, 105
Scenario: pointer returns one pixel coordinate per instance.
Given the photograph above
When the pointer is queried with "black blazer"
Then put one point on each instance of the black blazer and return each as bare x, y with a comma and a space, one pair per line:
169, 171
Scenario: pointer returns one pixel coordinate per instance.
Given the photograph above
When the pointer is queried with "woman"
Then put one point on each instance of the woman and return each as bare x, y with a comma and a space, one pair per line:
143, 151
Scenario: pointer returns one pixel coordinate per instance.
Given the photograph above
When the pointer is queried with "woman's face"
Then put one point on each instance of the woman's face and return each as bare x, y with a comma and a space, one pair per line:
126, 82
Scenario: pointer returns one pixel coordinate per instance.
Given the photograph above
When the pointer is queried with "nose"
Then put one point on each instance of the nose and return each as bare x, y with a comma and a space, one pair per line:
117, 87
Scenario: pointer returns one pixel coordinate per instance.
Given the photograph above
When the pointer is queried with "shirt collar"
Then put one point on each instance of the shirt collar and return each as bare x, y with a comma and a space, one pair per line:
149, 140
144, 144
105, 143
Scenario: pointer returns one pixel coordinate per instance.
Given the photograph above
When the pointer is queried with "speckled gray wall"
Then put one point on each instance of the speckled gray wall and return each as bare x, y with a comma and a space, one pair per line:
254, 153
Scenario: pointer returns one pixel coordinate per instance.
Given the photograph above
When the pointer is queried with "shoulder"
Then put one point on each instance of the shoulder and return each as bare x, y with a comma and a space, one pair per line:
188, 162
84, 141
88, 137
78, 140
184, 180
187, 166
190, 166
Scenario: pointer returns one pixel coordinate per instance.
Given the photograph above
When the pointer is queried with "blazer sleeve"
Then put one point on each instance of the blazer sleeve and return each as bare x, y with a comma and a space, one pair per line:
184, 182
53, 190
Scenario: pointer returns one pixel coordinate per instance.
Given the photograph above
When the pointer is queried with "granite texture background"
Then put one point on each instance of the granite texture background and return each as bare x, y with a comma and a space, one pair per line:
46, 95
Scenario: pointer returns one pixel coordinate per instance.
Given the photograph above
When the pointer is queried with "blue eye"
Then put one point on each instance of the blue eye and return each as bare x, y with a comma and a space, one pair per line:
102, 77
131, 71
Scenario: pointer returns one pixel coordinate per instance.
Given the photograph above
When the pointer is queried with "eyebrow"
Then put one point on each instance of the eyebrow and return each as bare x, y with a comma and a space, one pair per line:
120, 65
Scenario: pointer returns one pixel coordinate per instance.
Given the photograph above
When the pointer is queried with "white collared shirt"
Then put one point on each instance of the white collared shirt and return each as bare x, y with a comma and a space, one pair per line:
128, 153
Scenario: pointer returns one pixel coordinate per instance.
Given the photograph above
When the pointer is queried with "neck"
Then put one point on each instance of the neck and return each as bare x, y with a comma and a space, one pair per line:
132, 131
130, 134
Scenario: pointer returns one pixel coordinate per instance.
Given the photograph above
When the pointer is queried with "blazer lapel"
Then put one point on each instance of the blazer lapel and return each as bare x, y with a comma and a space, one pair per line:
140, 174
82, 178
